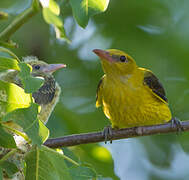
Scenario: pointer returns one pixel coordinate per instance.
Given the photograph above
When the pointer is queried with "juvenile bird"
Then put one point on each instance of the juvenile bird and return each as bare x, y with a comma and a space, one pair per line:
130, 95
48, 94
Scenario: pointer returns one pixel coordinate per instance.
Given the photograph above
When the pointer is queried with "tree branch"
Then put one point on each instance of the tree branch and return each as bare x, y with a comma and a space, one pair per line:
19, 21
77, 139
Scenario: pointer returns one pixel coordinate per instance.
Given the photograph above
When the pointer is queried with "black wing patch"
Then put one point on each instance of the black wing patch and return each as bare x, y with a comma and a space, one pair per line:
98, 88
153, 83
45, 93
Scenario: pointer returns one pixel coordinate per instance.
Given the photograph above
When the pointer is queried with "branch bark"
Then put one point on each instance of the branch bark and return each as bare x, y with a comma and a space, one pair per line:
94, 137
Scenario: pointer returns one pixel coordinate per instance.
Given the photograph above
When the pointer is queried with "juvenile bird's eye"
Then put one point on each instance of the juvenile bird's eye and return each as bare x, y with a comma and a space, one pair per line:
36, 67
123, 58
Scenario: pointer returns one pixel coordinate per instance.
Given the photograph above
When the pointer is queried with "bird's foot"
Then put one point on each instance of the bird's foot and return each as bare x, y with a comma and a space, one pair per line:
107, 133
176, 122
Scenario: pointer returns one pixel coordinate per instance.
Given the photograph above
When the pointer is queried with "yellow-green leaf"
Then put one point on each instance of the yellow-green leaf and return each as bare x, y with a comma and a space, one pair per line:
12, 97
60, 34
50, 15
51, 18
8, 63
9, 52
54, 7
84, 9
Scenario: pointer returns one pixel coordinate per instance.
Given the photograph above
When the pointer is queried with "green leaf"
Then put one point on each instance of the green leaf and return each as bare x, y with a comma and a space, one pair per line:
6, 139
50, 15
84, 9
58, 161
31, 84
60, 34
38, 166
83, 172
5, 50
36, 5
12, 97
51, 18
54, 7
44, 163
10, 168
27, 119
8, 63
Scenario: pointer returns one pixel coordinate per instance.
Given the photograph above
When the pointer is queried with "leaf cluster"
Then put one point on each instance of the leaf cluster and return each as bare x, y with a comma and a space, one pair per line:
27, 157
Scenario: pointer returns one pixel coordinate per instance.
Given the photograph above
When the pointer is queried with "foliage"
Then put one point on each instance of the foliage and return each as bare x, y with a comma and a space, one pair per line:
154, 33
19, 113
84, 9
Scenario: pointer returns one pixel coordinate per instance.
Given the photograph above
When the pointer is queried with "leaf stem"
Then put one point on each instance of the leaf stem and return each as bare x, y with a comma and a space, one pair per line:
70, 160
5, 157
19, 21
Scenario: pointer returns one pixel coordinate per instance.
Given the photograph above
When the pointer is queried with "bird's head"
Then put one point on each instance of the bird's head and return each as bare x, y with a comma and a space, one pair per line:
116, 62
40, 68
46, 93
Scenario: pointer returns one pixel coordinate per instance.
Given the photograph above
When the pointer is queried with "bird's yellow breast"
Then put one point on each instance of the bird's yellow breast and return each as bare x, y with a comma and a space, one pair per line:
127, 102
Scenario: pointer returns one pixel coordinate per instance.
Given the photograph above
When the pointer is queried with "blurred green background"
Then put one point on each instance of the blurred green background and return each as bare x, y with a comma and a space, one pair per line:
156, 34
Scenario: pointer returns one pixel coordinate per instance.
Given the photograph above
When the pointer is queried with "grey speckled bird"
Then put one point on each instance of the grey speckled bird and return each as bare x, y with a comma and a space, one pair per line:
48, 94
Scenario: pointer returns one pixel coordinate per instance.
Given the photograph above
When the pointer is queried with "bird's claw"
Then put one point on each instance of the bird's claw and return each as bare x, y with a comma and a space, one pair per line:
107, 133
176, 122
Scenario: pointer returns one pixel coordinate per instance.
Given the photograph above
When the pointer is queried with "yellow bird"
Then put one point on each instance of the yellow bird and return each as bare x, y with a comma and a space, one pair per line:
130, 95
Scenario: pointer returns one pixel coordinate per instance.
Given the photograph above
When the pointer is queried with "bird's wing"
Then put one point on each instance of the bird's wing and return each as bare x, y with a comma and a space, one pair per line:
155, 85
98, 93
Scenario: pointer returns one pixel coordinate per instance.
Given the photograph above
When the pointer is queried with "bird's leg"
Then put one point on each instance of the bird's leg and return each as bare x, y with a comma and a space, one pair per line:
107, 133
175, 121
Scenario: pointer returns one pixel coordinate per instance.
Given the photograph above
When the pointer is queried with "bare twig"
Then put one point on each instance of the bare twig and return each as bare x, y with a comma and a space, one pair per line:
95, 137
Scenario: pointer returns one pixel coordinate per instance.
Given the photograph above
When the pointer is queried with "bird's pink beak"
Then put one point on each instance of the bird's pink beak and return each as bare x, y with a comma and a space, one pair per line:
103, 54
53, 67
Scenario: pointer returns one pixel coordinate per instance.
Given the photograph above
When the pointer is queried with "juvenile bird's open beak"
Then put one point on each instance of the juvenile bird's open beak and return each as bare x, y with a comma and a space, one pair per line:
53, 67
103, 54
